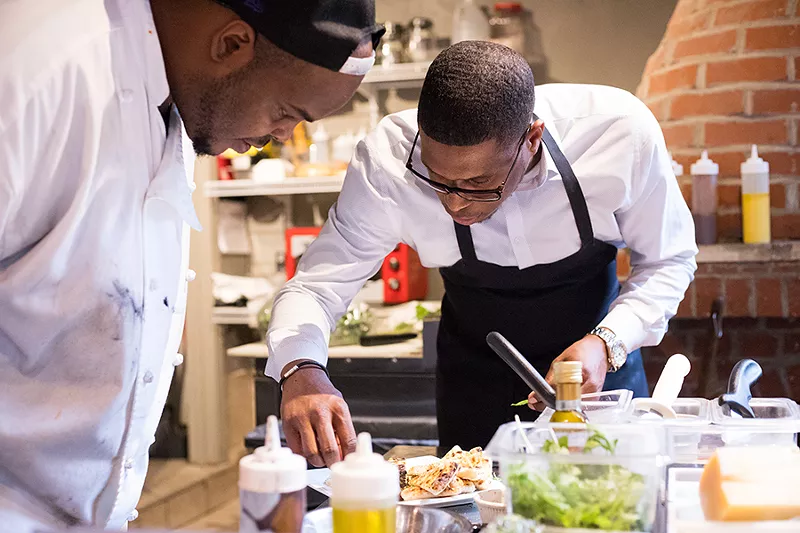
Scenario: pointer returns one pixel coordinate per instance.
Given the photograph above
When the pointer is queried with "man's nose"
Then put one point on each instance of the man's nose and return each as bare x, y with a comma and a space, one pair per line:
454, 202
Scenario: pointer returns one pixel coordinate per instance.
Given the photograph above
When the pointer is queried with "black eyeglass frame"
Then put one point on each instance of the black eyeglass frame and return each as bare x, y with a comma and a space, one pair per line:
493, 195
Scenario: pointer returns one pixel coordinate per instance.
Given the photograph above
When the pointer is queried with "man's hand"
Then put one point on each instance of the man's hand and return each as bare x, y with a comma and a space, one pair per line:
591, 351
316, 420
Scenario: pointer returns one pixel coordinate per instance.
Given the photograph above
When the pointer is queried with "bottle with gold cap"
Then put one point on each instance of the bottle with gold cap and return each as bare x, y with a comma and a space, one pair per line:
568, 378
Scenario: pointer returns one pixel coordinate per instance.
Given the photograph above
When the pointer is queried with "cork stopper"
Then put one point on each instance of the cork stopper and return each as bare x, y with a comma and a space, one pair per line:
568, 372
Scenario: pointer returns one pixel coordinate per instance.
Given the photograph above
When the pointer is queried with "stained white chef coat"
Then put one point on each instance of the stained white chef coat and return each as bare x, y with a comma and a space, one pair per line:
617, 151
95, 197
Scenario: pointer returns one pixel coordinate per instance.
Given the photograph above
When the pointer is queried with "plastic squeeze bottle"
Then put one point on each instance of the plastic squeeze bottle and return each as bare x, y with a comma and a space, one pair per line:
755, 199
677, 168
364, 491
272, 487
704, 199
470, 23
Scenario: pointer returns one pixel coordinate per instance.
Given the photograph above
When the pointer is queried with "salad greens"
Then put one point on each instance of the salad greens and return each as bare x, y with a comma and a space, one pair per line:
596, 496
520, 403
421, 314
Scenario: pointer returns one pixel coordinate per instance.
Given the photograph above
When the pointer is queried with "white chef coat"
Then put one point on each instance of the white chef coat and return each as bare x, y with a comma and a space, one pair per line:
95, 197
615, 147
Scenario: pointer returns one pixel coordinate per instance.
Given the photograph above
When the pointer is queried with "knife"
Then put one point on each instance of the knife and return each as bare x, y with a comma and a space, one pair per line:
743, 377
522, 368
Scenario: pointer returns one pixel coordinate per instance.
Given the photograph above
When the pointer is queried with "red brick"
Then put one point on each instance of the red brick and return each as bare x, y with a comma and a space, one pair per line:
777, 195
783, 324
772, 37
706, 291
793, 379
737, 297
656, 60
716, 43
791, 267
754, 268
786, 163
729, 195
679, 136
718, 103
792, 343
758, 344
768, 297
686, 190
786, 227
746, 132
796, 67
717, 269
658, 108
793, 292
729, 227
747, 69
758, 10
780, 101
673, 79
770, 385
680, 26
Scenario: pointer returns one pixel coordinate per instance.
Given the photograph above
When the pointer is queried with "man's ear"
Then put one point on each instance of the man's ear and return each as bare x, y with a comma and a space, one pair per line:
234, 45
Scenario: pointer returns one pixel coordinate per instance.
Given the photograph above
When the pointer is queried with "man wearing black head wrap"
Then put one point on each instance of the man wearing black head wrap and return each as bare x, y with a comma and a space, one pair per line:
103, 104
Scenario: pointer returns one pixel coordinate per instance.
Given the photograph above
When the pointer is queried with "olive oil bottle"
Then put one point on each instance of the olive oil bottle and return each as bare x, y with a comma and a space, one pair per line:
568, 378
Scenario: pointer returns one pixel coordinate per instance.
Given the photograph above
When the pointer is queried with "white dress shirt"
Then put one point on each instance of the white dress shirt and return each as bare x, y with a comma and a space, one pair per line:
617, 151
95, 197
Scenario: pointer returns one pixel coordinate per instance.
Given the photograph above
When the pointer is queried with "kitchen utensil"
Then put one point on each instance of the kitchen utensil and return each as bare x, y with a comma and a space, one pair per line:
743, 377
522, 368
717, 309
409, 520
667, 389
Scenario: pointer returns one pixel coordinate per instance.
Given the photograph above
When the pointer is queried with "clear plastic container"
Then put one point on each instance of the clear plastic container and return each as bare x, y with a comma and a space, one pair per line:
607, 407
684, 433
551, 486
777, 422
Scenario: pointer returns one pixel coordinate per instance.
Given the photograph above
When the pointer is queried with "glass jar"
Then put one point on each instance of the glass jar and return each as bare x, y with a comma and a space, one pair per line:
392, 49
421, 40
507, 26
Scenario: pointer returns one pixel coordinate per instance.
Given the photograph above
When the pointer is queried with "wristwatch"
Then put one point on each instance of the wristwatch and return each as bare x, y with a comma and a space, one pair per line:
615, 350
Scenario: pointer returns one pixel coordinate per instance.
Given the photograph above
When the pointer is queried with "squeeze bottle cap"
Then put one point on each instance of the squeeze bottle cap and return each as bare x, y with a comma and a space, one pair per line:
677, 168
272, 468
320, 135
755, 165
364, 476
704, 166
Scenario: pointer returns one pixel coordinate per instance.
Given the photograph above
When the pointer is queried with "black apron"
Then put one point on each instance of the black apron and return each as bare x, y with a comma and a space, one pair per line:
542, 310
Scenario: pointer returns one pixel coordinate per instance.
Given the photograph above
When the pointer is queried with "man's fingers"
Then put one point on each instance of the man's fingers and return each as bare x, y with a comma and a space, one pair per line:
293, 439
309, 445
328, 446
343, 426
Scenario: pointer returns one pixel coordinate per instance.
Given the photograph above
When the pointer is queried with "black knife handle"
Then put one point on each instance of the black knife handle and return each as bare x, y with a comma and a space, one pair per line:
743, 377
522, 368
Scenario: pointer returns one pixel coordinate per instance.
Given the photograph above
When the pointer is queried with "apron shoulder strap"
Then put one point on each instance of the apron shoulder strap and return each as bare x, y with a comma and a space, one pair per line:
576, 199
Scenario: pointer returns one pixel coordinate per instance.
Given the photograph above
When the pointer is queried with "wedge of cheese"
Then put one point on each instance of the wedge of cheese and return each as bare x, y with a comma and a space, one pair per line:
751, 484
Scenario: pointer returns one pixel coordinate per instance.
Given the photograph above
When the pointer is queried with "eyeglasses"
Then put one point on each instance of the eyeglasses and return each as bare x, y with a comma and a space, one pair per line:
473, 195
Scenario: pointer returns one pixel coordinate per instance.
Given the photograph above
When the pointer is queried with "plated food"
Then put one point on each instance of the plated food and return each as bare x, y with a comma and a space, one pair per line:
458, 472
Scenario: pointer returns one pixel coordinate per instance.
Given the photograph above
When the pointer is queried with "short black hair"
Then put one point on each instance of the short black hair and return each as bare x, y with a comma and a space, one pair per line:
475, 91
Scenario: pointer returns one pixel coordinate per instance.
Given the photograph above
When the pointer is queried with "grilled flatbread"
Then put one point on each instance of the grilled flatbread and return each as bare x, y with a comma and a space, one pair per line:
403, 472
468, 487
485, 484
437, 476
415, 493
473, 465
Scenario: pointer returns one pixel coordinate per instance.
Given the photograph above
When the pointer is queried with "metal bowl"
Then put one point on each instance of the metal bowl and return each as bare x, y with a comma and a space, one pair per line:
409, 520
427, 520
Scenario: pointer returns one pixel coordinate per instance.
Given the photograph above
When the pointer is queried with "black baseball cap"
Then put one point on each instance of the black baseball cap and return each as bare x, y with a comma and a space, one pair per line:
322, 32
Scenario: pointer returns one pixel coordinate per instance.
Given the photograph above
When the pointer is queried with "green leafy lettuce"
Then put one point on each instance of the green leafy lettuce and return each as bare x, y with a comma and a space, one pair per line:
594, 496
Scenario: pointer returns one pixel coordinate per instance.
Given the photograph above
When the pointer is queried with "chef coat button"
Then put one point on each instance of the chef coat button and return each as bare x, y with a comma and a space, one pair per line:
192, 186
148, 377
128, 464
518, 240
133, 515
178, 360
126, 95
190, 275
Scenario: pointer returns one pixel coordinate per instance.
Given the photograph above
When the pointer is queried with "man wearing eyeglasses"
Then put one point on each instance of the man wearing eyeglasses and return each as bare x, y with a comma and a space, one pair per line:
522, 203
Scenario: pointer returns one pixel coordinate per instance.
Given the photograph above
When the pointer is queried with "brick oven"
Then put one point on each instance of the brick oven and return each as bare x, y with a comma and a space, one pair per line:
727, 75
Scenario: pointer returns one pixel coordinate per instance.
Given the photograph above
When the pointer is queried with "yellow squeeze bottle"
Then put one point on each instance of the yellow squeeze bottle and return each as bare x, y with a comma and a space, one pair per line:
364, 491
755, 199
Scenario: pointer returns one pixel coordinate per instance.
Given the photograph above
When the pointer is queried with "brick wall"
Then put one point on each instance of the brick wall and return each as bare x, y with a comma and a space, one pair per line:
773, 342
726, 75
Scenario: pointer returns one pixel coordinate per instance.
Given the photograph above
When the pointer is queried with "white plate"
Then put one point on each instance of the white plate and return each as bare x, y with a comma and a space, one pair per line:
319, 480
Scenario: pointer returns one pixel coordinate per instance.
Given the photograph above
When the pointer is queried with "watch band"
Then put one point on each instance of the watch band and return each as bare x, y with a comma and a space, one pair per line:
616, 352
301, 365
